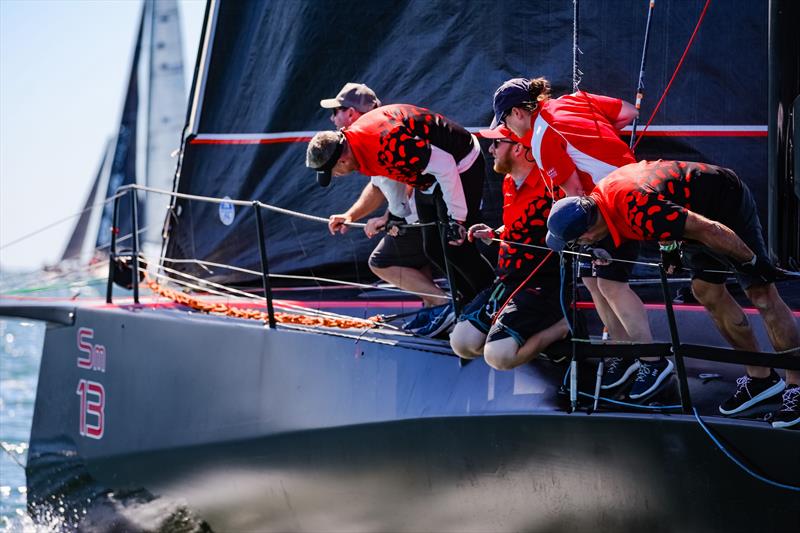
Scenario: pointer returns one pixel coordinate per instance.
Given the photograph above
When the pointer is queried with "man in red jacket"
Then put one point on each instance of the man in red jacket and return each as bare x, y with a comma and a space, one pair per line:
711, 209
520, 315
429, 152
575, 142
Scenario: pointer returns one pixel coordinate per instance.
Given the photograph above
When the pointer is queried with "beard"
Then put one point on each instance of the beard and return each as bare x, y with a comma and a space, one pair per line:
502, 165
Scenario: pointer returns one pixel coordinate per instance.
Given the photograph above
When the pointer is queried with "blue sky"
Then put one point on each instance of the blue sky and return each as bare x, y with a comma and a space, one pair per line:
63, 69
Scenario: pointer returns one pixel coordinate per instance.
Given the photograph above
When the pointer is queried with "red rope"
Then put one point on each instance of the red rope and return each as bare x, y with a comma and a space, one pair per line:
535, 270
674, 74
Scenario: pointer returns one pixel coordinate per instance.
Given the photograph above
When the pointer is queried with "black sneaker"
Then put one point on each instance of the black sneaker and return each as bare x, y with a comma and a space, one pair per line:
750, 391
789, 413
616, 370
651, 374
439, 322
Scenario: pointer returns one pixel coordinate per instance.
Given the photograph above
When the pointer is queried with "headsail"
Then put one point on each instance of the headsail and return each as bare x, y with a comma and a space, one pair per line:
270, 63
123, 165
75, 248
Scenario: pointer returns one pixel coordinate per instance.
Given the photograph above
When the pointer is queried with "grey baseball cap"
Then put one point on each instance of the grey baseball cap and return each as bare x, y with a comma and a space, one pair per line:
355, 95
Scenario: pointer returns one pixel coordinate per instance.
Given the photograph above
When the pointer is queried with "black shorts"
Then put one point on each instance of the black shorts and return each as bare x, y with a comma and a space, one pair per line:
404, 251
616, 270
743, 220
531, 310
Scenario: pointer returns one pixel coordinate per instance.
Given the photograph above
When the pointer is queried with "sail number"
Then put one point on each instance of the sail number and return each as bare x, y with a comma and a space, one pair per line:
91, 393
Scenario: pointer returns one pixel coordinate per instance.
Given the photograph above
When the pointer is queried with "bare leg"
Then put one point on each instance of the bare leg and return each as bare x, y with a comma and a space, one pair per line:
730, 320
412, 279
466, 340
779, 321
615, 328
505, 354
629, 309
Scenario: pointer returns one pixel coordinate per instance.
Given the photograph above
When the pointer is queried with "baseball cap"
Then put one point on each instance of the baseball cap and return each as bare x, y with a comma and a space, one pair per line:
355, 95
569, 218
323, 152
511, 93
504, 132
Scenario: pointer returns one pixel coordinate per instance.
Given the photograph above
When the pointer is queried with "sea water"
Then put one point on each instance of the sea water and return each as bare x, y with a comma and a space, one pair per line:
20, 353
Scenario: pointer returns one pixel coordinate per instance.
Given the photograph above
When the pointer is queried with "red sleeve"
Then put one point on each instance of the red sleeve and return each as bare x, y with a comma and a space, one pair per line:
605, 105
555, 162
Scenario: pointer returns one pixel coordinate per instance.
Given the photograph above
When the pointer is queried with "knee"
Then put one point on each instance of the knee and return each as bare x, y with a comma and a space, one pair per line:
464, 343
762, 297
611, 289
500, 357
378, 271
708, 294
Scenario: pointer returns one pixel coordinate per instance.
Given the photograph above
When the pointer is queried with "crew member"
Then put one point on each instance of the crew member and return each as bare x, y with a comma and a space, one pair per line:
713, 211
398, 258
575, 141
512, 330
431, 153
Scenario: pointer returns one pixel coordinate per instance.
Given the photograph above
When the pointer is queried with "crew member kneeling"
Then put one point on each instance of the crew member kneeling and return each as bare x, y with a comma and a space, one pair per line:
711, 209
532, 319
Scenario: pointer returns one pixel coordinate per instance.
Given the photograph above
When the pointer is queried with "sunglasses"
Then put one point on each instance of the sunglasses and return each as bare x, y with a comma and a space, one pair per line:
497, 142
335, 110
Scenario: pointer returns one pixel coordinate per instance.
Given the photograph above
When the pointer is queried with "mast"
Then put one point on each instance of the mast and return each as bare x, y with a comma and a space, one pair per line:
783, 164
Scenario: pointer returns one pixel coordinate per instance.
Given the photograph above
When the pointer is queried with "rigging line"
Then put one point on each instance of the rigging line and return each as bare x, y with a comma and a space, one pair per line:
233, 292
576, 80
738, 462
34, 282
640, 84
61, 220
521, 285
6, 448
674, 74
244, 203
589, 256
306, 278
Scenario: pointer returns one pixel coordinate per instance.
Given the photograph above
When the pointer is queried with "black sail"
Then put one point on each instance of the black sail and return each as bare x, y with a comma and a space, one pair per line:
123, 165
269, 64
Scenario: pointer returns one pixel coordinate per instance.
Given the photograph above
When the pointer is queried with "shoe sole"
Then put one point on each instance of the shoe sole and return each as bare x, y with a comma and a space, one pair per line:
768, 393
451, 317
790, 423
628, 373
659, 380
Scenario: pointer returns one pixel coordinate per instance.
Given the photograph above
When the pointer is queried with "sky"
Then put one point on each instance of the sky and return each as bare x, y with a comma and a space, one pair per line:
63, 71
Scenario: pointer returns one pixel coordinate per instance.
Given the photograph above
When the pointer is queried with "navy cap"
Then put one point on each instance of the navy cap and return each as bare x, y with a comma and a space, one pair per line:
513, 92
323, 153
570, 218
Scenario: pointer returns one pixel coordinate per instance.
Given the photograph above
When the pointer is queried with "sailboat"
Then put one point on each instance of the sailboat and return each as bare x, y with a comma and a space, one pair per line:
280, 425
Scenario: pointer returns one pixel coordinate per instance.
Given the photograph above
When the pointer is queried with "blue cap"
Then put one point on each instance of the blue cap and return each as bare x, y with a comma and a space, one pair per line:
569, 218
513, 92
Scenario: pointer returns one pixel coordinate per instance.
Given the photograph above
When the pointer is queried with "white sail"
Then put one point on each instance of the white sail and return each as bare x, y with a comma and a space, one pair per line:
166, 109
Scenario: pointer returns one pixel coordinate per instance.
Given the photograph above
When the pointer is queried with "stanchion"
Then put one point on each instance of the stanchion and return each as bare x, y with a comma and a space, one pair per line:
262, 250
683, 384
112, 254
135, 244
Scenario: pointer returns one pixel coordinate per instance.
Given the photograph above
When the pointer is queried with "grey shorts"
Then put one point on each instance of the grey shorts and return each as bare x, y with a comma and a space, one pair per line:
404, 250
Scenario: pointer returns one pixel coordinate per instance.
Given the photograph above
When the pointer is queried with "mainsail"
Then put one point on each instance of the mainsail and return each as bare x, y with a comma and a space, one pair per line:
263, 73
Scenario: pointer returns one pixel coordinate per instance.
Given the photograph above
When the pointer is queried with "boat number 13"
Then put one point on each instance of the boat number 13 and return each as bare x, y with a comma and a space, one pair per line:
93, 402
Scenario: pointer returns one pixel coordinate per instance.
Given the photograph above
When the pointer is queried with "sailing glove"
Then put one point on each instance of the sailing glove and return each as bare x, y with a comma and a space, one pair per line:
759, 268
671, 257
455, 232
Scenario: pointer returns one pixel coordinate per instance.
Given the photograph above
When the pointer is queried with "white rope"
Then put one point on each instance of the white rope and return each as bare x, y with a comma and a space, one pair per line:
306, 278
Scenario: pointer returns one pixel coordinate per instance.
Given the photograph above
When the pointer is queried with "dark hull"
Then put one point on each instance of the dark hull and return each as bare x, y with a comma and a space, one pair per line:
285, 430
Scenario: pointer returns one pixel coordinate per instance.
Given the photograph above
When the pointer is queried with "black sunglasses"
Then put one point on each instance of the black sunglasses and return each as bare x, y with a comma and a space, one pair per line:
497, 142
337, 109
